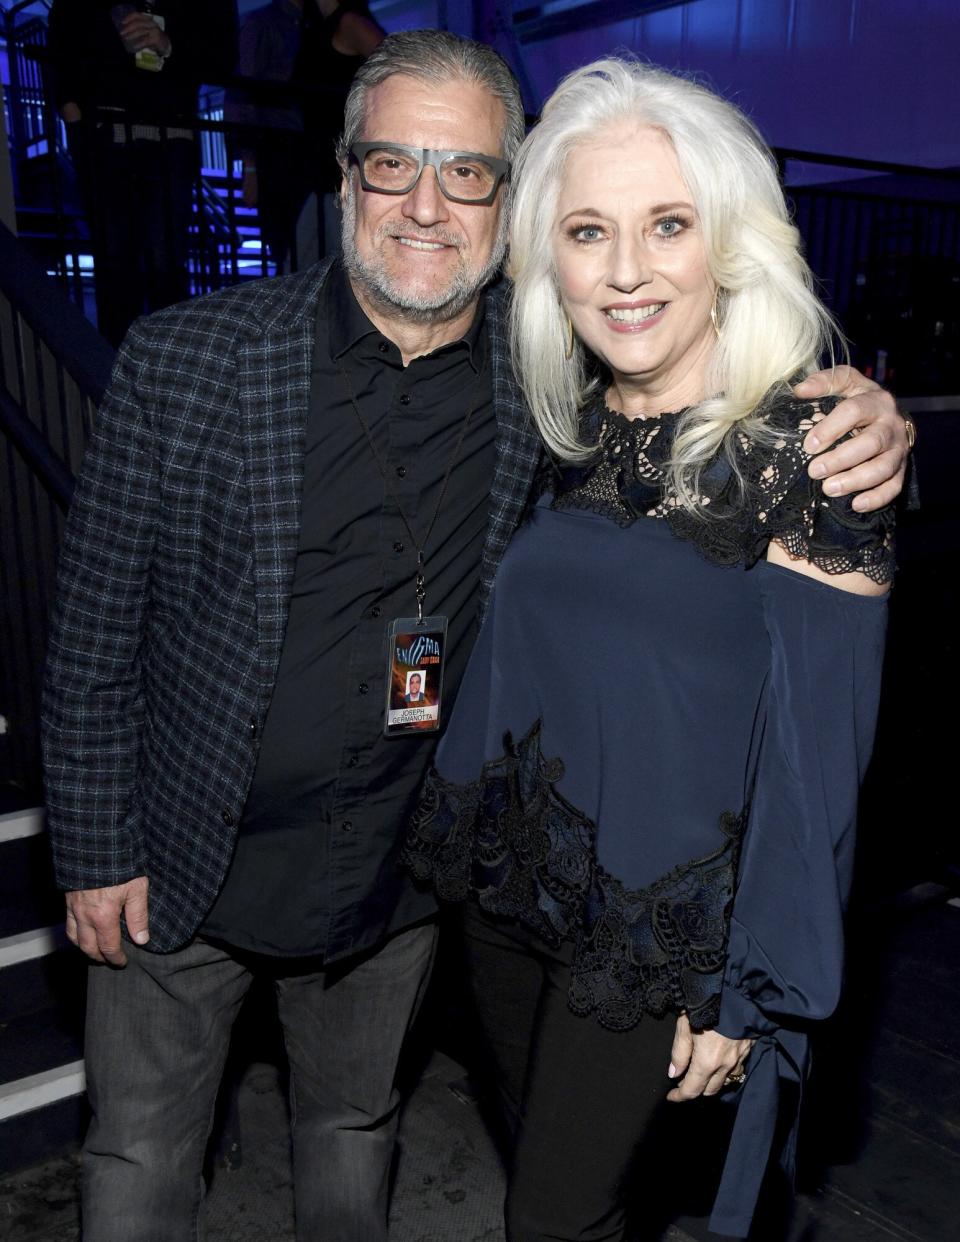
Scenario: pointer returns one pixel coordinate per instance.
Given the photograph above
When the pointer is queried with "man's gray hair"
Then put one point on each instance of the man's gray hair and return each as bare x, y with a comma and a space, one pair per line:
440, 57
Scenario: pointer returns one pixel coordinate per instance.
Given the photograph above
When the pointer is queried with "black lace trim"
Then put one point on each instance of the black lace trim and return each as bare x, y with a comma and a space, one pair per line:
778, 500
517, 846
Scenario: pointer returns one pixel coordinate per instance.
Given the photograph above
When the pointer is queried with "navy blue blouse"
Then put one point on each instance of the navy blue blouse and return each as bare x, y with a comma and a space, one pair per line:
658, 744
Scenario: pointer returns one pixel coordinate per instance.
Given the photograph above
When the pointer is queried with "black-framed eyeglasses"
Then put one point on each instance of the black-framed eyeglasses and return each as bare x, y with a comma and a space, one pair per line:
463, 176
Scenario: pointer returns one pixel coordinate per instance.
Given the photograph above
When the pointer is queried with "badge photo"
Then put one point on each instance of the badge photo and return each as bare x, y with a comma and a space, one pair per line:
415, 658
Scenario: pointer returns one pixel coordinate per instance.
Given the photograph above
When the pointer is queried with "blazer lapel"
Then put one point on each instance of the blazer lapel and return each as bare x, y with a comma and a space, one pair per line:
273, 385
518, 450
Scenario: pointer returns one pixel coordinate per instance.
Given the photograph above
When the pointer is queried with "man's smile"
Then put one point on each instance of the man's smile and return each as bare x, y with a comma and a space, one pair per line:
418, 244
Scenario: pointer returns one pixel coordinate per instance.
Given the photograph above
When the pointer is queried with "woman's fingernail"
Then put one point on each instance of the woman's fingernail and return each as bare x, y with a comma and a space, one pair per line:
817, 468
672, 1071
833, 488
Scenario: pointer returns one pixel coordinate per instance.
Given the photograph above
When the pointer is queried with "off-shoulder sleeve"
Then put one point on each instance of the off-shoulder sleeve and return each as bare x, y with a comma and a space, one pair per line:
793, 509
785, 956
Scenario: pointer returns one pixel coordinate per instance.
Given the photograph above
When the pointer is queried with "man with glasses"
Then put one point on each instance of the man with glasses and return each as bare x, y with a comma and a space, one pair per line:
285, 476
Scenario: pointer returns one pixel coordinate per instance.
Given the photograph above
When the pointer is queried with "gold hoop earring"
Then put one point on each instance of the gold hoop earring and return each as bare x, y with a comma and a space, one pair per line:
714, 312
568, 352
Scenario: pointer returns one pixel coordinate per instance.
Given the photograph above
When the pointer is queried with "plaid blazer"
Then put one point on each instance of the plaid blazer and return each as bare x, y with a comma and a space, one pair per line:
174, 584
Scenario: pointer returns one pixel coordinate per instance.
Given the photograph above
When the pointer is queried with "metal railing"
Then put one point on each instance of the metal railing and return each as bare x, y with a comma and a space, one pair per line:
222, 243
23, 33
54, 367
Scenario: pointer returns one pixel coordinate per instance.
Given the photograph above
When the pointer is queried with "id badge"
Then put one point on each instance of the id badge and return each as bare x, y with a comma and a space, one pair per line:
416, 651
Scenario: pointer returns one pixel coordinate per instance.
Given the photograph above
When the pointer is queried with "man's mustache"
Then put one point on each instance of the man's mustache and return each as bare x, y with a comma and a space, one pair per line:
418, 234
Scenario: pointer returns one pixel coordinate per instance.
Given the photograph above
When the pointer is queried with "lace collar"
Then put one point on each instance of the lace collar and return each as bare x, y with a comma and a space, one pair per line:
769, 495
625, 477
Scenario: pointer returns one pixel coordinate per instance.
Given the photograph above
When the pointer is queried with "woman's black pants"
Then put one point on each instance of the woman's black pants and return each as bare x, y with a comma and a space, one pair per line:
581, 1100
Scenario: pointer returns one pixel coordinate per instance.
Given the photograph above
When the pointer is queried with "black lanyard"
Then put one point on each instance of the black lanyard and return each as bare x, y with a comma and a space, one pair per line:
419, 545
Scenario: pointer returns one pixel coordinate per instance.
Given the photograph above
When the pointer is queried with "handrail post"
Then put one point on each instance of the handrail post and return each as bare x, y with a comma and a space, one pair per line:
8, 211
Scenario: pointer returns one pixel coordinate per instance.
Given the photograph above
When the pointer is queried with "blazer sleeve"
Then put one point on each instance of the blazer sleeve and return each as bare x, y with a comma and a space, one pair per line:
785, 954
93, 709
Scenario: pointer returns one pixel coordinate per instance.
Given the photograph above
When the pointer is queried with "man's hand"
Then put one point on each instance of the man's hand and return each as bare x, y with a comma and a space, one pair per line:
93, 919
139, 31
872, 463
71, 112
703, 1059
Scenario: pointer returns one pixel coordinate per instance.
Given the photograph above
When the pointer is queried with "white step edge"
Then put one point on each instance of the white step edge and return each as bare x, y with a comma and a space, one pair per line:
26, 1094
15, 825
26, 946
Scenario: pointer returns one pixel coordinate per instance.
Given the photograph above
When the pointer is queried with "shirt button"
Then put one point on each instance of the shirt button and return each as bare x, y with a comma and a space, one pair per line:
405, 399
363, 687
227, 817
383, 347
375, 611
353, 761
398, 546
401, 472
347, 825
253, 726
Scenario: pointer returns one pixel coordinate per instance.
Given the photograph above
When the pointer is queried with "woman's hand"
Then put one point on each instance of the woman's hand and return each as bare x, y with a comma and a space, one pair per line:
703, 1059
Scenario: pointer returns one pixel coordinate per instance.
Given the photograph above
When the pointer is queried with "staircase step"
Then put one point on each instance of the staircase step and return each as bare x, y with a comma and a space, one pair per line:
19, 821
34, 1044
27, 946
38, 1090
12, 797
53, 980
28, 898
43, 1108
45, 1129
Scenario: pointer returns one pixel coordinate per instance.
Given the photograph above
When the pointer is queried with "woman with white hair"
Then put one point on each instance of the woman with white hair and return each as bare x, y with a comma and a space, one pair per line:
647, 793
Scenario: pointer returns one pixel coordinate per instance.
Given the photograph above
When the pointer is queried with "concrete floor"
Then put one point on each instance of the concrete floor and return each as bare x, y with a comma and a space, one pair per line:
449, 1180
881, 1135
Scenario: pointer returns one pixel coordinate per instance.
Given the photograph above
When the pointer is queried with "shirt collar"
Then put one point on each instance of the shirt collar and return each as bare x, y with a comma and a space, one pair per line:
348, 325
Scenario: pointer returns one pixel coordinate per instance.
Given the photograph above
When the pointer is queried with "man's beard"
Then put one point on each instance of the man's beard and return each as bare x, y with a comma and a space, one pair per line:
390, 297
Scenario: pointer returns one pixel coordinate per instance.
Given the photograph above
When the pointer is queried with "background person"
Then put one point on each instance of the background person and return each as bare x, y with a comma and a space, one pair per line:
289, 153
126, 82
656, 876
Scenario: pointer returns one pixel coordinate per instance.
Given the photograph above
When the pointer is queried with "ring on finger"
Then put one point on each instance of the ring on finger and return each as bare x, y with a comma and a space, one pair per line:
736, 1078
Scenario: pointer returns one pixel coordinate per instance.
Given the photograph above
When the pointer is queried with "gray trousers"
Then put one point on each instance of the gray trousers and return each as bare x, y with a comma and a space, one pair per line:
157, 1038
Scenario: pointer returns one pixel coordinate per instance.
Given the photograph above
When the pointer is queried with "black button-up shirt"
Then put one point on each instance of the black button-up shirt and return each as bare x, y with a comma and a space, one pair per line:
315, 866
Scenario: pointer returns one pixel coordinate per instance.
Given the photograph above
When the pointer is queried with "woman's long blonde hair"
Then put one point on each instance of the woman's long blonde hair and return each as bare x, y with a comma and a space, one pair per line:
773, 327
